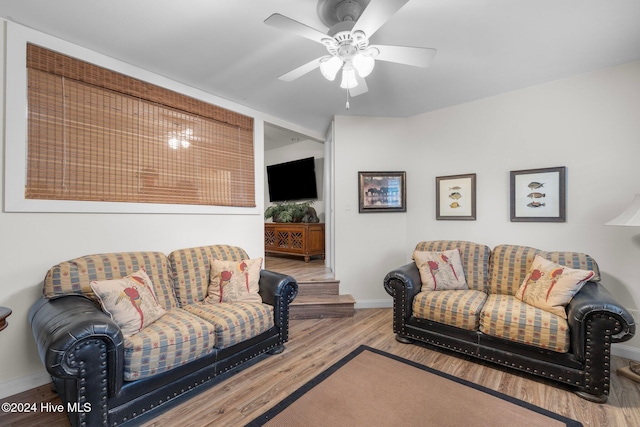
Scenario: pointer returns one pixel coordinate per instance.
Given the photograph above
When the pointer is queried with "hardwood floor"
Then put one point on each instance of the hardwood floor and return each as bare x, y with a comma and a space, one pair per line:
316, 344
314, 270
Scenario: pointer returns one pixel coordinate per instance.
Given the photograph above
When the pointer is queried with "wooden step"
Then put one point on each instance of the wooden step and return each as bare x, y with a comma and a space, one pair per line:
312, 288
320, 307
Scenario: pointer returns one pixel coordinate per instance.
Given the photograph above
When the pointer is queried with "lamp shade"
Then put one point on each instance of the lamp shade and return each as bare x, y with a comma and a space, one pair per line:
329, 67
630, 216
348, 77
363, 64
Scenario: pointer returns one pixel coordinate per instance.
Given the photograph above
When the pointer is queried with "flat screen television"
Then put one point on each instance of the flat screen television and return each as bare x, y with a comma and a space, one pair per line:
294, 180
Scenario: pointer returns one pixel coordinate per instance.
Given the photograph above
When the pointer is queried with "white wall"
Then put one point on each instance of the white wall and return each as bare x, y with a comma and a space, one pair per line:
30, 243
588, 123
297, 151
368, 245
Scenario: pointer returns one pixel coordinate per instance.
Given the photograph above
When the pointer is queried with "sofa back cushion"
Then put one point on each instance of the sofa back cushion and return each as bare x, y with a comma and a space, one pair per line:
474, 257
74, 276
191, 268
510, 264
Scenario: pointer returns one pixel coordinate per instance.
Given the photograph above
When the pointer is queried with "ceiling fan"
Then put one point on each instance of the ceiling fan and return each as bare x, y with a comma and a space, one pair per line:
351, 24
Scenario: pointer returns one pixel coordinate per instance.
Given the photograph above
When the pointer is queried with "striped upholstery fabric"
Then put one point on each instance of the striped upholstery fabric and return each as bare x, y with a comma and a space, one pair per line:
175, 339
236, 322
191, 269
506, 317
74, 276
510, 264
454, 308
474, 256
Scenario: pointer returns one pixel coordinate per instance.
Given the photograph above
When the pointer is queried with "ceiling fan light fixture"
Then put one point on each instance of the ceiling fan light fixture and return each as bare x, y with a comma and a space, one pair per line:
329, 67
351, 23
363, 64
349, 80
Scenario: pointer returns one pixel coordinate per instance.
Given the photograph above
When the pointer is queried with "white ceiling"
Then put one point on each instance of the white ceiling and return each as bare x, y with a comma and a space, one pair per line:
485, 47
277, 136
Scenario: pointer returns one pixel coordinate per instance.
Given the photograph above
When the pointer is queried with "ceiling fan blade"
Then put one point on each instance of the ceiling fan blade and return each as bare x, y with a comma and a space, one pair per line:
415, 56
301, 70
376, 14
361, 88
282, 22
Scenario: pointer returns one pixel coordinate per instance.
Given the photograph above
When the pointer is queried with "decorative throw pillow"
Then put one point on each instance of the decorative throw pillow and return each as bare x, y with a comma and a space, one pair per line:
234, 281
550, 286
440, 270
131, 301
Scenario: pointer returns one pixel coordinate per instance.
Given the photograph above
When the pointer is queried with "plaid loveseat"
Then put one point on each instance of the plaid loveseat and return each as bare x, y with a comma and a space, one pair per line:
490, 322
115, 377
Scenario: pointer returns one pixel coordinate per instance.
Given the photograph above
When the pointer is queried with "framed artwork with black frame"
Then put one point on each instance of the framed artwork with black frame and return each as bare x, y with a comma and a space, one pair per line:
538, 195
382, 192
456, 197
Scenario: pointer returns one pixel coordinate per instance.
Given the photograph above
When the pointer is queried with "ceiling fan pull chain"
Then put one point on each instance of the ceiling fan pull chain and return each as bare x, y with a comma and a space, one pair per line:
347, 98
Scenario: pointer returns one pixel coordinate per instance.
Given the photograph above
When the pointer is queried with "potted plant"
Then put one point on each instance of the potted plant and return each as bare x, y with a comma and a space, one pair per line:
287, 211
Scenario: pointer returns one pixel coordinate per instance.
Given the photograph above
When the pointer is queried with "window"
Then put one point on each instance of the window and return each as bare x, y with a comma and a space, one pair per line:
98, 135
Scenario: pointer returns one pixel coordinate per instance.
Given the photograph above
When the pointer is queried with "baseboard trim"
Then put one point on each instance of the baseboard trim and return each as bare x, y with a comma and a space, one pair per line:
626, 351
18, 385
374, 303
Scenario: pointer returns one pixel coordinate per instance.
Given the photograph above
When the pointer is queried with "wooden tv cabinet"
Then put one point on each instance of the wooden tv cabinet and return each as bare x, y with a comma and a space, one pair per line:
290, 238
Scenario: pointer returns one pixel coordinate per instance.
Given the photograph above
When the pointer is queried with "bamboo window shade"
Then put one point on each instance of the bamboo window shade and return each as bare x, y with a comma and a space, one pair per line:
98, 135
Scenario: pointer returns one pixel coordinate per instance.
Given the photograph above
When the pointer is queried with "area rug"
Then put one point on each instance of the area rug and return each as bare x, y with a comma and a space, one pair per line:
370, 387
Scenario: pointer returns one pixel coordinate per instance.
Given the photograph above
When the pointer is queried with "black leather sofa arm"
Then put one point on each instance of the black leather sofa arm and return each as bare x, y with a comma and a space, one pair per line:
594, 315
75, 338
403, 284
277, 290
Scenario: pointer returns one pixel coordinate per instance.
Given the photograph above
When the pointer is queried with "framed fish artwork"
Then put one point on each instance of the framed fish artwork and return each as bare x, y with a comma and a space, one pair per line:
456, 197
539, 195
382, 191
